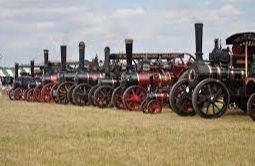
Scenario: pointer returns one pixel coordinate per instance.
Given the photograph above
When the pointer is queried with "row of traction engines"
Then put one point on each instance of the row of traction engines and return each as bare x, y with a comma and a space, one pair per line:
135, 82
227, 79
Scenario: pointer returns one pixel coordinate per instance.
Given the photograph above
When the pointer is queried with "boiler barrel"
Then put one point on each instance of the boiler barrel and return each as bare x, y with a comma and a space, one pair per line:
203, 71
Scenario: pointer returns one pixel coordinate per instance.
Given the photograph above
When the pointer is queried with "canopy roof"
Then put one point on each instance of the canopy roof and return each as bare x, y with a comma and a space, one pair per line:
241, 37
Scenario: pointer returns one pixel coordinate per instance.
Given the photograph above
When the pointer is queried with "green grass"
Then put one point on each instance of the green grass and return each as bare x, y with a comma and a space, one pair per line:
47, 134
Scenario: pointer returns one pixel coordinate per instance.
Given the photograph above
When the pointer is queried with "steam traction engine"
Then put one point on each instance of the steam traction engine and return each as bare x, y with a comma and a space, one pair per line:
100, 95
74, 85
151, 79
22, 84
228, 77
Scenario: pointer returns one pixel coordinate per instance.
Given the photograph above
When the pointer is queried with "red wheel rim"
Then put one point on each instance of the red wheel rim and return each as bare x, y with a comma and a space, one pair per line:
37, 93
46, 93
133, 98
154, 107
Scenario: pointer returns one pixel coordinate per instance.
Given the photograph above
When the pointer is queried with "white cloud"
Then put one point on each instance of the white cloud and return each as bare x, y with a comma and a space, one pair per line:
32, 27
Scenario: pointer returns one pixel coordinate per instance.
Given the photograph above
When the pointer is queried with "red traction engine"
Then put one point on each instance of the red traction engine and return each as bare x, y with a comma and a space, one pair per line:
154, 78
24, 83
42, 92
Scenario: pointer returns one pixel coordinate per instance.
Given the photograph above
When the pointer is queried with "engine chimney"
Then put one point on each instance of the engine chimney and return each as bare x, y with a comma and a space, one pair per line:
81, 55
16, 71
32, 66
46, 57
199, 41
129, 53
107, 61
63, 57
216, 44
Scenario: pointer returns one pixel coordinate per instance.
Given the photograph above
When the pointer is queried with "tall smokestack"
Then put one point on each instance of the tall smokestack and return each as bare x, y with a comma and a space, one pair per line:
63, 57
199, 41
16, 71
81, 55
129, 53
32, 66
46, 57
107, 61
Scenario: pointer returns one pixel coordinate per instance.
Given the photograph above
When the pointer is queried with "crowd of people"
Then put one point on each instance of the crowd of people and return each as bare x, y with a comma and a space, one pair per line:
5, 84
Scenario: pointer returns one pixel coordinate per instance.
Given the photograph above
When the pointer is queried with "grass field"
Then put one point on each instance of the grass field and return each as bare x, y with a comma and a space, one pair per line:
42, 134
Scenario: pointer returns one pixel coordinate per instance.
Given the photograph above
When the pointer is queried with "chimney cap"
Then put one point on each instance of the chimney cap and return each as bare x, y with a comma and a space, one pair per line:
129, 41
45, 50
107, 48
82, 44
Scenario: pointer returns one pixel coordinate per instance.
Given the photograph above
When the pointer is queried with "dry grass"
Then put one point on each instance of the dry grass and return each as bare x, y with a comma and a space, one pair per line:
43, 134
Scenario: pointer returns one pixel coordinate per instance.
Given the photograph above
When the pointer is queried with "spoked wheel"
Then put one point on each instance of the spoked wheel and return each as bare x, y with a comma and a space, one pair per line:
180, 98
11, 94
46, 93
117, 98
133, 98
37, 93
91, 95
62, 92
19, 93
210, 98
53, 92
154, 107
29, 95
80, 94
102, 96
69, 94
251, 107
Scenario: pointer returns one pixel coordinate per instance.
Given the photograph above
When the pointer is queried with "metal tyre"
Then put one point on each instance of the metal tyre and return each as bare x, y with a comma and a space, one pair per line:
210, 98
180, 98
117, 98
11, 94
69, 94
62, 92
46, 93
80, 94
29, 95
91, 95
154, 107
102, 96
19, 93
251, 107
37, 93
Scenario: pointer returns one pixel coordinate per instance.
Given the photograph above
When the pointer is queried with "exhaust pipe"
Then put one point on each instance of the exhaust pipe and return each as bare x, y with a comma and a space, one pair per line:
107, 61
199, 41
32, 68
16, 71
63, 57
46, 57
81, 55
129, 53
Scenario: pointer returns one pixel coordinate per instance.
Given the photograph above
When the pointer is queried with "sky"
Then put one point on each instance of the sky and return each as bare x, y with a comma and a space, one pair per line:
29, 26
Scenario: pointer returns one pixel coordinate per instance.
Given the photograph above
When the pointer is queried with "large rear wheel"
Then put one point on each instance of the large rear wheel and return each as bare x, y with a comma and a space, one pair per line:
37, 93
117, 98
19, 93
62, 92
180, 98
102, 96
133, 98
80, 94
251, 107
46, 93
91, 95
210, 98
